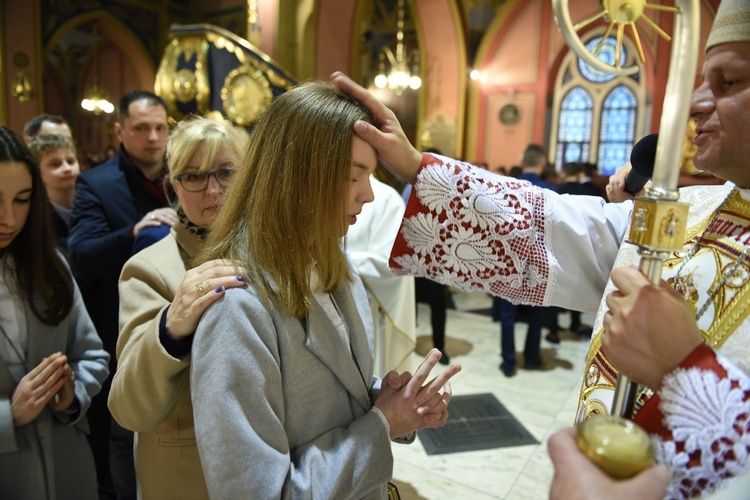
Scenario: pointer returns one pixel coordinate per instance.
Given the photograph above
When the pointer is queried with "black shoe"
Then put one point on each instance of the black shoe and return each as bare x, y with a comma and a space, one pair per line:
533, 363
553, 338
444, 359
507, 370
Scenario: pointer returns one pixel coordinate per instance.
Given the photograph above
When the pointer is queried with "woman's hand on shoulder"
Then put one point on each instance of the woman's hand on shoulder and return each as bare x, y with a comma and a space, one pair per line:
161, 216
37, 388
201, 287
410, 403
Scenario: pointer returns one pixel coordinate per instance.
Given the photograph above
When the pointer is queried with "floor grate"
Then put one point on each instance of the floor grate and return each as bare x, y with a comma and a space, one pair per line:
476, 422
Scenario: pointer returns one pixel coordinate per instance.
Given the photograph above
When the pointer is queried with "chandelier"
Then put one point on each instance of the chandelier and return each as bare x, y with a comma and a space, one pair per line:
400, 77
95, 99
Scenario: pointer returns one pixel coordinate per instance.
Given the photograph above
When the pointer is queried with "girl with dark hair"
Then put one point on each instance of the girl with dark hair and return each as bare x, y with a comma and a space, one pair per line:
51, 359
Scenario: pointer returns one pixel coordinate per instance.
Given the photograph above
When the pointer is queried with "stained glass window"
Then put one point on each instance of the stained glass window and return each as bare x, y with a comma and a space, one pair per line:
617, 129
574, 130
607, 55
598, 114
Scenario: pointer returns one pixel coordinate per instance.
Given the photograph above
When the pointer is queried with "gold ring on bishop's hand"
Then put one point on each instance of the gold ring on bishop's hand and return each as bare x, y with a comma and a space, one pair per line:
199, 287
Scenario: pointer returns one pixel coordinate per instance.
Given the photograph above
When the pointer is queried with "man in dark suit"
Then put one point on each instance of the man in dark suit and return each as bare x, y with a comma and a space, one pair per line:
112, 204
533, 162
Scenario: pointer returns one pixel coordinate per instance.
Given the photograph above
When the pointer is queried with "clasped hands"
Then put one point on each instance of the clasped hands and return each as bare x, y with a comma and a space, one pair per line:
51, 382
409, 403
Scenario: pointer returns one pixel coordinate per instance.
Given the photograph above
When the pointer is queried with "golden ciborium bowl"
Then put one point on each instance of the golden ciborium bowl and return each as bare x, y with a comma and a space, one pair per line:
618, 446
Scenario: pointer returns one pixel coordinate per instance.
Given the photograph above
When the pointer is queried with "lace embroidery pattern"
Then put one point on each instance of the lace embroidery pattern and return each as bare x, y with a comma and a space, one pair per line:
481, 232
709, 419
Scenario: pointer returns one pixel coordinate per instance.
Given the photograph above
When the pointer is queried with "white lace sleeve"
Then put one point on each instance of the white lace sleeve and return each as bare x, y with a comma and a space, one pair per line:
707, 413
475, 230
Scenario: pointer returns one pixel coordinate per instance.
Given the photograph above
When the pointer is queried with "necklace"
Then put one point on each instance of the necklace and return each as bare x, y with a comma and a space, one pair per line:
680, 282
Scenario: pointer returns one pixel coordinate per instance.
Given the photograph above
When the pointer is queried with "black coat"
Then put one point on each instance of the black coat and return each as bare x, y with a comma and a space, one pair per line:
109, 200
59, 228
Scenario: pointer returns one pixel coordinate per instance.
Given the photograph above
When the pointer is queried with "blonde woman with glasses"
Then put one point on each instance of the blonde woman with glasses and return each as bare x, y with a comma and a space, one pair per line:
161, 301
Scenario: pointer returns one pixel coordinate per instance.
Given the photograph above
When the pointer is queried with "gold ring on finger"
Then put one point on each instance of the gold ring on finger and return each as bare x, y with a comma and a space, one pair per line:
199, 287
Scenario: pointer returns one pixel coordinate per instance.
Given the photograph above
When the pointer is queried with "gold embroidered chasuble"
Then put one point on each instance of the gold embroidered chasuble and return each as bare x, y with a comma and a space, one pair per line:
722, 239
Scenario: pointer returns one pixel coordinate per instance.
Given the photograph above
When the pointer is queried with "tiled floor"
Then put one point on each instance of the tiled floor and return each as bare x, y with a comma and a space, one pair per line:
543, 400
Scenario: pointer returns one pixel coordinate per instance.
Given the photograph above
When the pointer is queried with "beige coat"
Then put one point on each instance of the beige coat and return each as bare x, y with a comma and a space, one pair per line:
151, 390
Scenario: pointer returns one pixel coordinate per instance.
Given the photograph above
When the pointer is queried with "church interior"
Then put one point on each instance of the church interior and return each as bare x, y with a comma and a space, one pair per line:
478, 80
486, 87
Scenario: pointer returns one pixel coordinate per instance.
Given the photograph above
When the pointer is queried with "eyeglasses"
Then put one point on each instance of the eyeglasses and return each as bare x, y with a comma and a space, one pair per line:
198, 181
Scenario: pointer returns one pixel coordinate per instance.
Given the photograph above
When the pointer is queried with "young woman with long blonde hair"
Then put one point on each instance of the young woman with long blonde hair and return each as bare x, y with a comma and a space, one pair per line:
286, 404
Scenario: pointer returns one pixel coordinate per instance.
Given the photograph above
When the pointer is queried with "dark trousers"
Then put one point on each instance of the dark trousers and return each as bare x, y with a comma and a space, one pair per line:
575, 321
98, 416
121, 461
550, 319
112, 447
433, 293
507, 313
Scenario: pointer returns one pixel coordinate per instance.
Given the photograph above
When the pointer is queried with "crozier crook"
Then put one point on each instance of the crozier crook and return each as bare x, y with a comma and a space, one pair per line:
659, 219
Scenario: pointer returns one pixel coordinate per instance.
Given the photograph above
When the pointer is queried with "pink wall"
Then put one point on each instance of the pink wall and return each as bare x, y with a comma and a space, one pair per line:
335, 21
268, 13
515, 72
143, 68
522, 54
123, 65
445, 66
118, 75
441, 50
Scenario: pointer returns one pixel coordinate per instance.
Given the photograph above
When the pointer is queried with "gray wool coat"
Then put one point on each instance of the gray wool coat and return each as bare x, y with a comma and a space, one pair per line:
283, 407
50, 458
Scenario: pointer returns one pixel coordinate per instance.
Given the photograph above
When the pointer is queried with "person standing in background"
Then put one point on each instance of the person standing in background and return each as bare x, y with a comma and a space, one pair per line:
433, 294
533, 163
368, 244
576, 181
112, 204
56, 157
